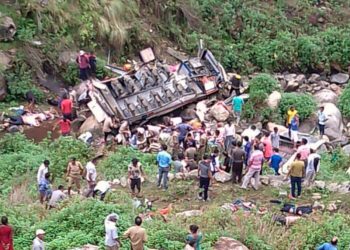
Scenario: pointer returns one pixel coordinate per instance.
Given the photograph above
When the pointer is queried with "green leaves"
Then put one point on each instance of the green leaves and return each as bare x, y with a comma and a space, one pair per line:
344, 102
304, 103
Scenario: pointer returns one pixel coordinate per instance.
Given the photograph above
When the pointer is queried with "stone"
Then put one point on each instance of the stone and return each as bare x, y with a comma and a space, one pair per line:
318, 205
344, 187
292, 86
340, 78
222, 176
323, 84
192, 174
7, 29
5, 60
3, 88
337, 90
316, 196
308, 125
123, 181
334, 124
91, 125
264, 180
67, 57
313, 78
326, 95
320, 184
274, 99
276, 180
116, 182
317, 88
300, 79
225, 243
346, 149
219, 113
290, 77
332, 207
190, 213
271, 126
333, 187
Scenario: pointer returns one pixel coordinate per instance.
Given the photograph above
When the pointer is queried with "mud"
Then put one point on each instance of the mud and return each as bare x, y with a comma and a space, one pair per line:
40, 133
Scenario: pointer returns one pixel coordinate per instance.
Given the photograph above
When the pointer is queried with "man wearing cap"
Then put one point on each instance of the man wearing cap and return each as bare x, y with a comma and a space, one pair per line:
111, 239
83, 62
321, 118
38, 242
74, 173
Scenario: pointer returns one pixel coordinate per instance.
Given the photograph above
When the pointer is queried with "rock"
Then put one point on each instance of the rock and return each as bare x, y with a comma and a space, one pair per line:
274, 99
332, 207
192, 174
271, 126
188, 114
317, 88
3, 88
7, 28
67, 57
290, 77
323, 84
222, 177
337, 90
334, 124
123, 181
179, 176
190, 213
316, 196
76, 124
300, 79
333, 187
276, 180
320, 184
344, 187
91, 125
264, 180
5, 60
346, 149
326, 95
318, 205
225, 243
116, 182
308, 125
219, 113
340, 78
291, 86
313, 78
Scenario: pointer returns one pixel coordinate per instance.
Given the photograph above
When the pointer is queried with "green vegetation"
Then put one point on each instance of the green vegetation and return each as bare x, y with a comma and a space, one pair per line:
304, 103
344, 102
333, 166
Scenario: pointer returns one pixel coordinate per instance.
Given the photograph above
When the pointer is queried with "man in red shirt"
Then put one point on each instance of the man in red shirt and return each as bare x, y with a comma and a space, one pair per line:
66, 107
64, 126
84, 65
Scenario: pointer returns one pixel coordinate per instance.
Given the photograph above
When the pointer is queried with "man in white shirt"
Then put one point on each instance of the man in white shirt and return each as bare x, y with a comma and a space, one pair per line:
321, 117
56, 197
38, 242
229, 135
43, 169
312, 167
111, 239
102, 188
91, 176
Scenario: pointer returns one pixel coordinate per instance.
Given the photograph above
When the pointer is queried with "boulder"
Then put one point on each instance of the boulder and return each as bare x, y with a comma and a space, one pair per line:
219, 112
337, 90
225, 243
264, 180
274, 99
123, 181
192, 174
292, 86
326, 95
308, 125
271, 126
340, 78
67, 57
334, 124
190, 213
76, 124
3, 88
313, 78
222, 176
290, 77
5, 60
7, 29
346, 149
91, 125
300, 79
320, 184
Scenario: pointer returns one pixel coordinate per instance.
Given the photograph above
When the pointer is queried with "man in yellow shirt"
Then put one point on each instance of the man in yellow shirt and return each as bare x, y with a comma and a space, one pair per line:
290, 115
137, 235
296, 173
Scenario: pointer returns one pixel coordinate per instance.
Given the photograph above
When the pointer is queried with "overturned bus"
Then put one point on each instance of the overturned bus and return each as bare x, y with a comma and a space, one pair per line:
155, 88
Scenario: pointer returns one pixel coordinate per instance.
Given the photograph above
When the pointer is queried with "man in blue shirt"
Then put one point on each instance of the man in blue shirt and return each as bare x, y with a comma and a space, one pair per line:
275, 160
183, 129
237, 104
163, 161
329, 246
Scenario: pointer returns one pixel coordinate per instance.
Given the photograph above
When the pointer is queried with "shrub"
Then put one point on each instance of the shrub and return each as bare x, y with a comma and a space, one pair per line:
344, 102
260, 87
71, 74
303, 103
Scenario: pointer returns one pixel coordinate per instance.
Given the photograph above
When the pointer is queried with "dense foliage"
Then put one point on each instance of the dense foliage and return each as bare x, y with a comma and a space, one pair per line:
303, 103
344, 102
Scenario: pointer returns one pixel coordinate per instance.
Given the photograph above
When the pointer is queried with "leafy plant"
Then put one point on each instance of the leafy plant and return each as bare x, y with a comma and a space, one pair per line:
303, 103
344, 102
26, 29
71, 74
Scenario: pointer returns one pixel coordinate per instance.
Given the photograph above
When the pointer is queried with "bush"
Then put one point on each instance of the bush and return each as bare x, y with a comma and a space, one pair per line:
333, 166
303, 103
71, 74
344, 102
260, 87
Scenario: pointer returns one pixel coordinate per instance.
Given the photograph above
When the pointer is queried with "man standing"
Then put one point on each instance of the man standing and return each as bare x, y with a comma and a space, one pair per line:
321, 118
238, 156
163, 161
237, 104
134, 173
38, 242
74, 173
329, 245
45, 188
254, 166
236, 83
91, 175
83, 62
204, 175
137, 235
43, 169
111, 238
296, 173
275, 138
290, 115
183, 129
294, 131
229, 135
304, 151
67, 107
312, 167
